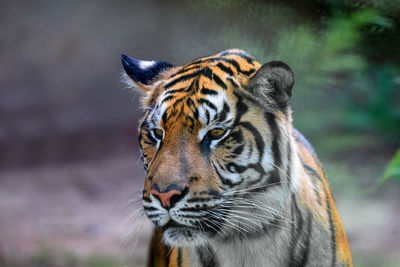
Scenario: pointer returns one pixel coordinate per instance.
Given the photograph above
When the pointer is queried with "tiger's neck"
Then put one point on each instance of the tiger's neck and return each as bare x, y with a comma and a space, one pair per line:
257, 249
300, 241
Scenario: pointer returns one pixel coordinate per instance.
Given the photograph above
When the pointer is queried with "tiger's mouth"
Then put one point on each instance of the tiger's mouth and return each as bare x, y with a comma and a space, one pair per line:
176, 234
176, 225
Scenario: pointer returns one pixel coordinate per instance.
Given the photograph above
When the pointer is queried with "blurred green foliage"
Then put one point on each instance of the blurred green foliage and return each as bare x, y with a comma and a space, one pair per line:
338, 55
374, 101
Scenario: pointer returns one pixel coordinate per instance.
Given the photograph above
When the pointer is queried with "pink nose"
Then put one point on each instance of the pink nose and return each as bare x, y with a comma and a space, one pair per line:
165, 197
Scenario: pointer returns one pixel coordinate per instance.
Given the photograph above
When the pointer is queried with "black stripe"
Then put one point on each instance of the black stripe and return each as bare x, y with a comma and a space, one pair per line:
148, 114
249, 72
184, 70
206, 256
241, 109
207, 72
194, 86
179, 260
249, 59
208, 103
166, 99
190, 102
223, 114
153, 215
296, 230
203, 60
225, 69
257, 137
146, 199
306, 243
190, 210
289, 159
149, 208
196, 114
140, 138
207, 91
235, 64
237, 136
191, 124
235, 168
276, 135
218, 80
224, 180
232, 82
183, 78
207, 116
145, 124
313, 175
238, 150
167, 255
311, 170
170, 92
164, 118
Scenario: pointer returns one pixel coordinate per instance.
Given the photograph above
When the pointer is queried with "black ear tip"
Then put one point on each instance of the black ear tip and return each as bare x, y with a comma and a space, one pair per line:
126, 61
283, 70
141, 70
280, 64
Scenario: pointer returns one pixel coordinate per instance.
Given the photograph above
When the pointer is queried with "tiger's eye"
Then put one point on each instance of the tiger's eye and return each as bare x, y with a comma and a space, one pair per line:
217, 133
158, 133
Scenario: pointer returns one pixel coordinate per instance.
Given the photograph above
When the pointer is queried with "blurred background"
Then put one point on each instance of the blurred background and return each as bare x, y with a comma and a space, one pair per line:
69, 167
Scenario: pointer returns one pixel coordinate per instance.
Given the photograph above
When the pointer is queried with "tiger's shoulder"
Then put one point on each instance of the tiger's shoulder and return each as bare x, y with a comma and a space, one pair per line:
314, 195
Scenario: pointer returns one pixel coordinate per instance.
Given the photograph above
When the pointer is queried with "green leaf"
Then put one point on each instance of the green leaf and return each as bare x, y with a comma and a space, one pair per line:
392, 170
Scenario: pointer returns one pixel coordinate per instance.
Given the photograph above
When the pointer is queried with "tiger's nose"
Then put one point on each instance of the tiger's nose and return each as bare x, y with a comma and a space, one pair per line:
169, 197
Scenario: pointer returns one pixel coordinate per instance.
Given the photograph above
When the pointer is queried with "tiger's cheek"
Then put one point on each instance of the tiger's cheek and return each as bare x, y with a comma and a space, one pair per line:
231, 149
202, 176
199, 184
146, 188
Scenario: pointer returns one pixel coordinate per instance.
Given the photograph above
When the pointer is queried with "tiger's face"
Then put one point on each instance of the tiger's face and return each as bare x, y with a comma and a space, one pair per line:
210, 141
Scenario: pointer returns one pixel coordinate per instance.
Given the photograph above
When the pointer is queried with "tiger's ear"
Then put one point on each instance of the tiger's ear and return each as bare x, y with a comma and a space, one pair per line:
141, 73
272, 84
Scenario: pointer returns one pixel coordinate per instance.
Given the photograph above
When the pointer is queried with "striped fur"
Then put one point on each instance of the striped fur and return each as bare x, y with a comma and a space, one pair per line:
254, 196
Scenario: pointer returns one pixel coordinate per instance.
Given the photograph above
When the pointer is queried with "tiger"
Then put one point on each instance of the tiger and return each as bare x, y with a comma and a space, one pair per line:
229, 181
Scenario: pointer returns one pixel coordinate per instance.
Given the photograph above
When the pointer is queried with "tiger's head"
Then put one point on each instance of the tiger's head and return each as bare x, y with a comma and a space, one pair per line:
213, 140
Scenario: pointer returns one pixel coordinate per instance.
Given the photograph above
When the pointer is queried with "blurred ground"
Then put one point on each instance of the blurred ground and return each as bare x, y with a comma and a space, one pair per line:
68, 151
76, 208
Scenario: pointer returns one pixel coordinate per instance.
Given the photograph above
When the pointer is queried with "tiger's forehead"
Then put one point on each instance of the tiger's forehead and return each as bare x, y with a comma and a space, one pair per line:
197, 93
214, 70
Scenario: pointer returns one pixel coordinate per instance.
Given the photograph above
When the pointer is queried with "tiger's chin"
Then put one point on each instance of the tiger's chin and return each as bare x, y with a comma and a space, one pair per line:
183, 236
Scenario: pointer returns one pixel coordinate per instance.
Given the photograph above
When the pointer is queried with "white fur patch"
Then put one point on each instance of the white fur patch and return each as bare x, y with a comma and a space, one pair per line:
144, 65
